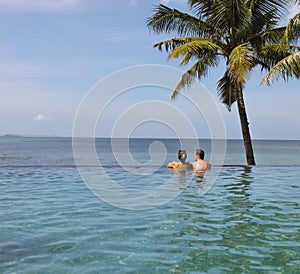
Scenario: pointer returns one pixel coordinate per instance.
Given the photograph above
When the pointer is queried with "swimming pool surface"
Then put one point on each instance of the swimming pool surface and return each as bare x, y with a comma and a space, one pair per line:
248, 222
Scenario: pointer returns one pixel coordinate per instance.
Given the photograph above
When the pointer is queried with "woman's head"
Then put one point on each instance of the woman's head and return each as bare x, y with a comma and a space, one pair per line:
182, 155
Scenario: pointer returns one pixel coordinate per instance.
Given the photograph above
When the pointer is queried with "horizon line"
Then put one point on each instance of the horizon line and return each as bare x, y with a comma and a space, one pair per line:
135, 137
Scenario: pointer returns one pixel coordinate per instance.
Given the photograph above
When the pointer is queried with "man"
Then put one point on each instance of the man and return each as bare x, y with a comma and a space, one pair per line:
200, 165
181, 164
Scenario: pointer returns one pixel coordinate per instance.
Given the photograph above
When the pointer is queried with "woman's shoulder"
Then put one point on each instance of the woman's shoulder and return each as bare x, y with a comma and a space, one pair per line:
188, 165
173, 164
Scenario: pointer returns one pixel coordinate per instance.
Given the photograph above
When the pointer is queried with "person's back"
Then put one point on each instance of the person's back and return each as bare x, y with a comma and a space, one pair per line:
182, 155
200, 165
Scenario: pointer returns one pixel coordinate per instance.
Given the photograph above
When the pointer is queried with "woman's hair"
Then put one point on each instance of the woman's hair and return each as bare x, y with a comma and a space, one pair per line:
180, 152
200, 153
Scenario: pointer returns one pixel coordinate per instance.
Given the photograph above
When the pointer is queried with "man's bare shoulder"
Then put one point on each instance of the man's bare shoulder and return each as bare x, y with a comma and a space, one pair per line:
208, 164
201, 165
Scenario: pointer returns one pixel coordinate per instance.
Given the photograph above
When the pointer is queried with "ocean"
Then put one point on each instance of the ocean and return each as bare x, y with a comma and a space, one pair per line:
128, 213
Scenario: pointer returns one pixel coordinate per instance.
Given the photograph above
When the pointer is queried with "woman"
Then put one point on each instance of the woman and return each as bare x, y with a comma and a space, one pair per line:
181, 164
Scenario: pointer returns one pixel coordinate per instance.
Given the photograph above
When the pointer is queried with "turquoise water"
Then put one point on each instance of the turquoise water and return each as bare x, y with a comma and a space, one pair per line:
249, 221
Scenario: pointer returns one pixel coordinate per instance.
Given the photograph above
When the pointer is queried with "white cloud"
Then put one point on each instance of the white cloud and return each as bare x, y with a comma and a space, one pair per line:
41, 117
38, 5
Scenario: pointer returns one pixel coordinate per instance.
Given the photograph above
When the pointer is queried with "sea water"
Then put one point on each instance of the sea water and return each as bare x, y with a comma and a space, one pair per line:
248, 222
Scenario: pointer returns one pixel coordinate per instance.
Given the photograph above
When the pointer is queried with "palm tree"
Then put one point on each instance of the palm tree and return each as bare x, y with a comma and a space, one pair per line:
233, 30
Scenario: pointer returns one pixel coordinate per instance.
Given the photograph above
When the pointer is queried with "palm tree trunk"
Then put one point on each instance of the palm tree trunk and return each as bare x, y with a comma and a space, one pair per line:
245, 126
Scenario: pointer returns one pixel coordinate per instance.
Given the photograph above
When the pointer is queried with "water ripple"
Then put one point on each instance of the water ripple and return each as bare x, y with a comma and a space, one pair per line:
248, 222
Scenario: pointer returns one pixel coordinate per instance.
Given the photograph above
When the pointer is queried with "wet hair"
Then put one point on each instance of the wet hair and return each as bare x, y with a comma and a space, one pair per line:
200, 153
180, 152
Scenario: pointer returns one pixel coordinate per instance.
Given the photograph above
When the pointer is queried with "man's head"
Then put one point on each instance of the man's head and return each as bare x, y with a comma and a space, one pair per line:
199, 154
182, 155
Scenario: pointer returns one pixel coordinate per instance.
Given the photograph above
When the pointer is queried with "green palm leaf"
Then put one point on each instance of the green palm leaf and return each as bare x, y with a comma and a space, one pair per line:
166, 20
172, 43
226, 90
196, 48
286, 68
273, 35
292, 31
198, 70
241, 62
263, 7
273, 53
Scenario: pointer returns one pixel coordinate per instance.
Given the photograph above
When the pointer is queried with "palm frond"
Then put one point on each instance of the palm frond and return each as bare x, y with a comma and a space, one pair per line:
227, 90
201, 8
286, 68
262, 22
241, 62
167, 20
292, 31
225, 15
186, 80
262, 7
198, 70
273, 53
196, 48
172, 43
273, 35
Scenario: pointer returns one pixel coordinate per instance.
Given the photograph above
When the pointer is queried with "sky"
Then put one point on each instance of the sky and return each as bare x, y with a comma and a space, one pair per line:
53, 52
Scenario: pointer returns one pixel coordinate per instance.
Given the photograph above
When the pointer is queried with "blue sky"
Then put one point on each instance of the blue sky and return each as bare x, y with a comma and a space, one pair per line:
53, 52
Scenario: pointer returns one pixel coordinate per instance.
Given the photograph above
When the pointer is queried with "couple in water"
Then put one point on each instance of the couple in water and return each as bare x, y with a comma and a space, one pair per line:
198, 166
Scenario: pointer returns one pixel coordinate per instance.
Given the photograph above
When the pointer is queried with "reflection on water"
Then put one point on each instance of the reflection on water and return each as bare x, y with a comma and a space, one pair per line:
224, 232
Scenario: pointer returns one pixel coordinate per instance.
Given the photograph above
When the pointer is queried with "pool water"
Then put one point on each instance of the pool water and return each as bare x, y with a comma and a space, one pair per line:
248, 222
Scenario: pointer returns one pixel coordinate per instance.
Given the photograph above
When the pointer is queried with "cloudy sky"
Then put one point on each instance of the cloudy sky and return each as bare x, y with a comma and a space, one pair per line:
54, 51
